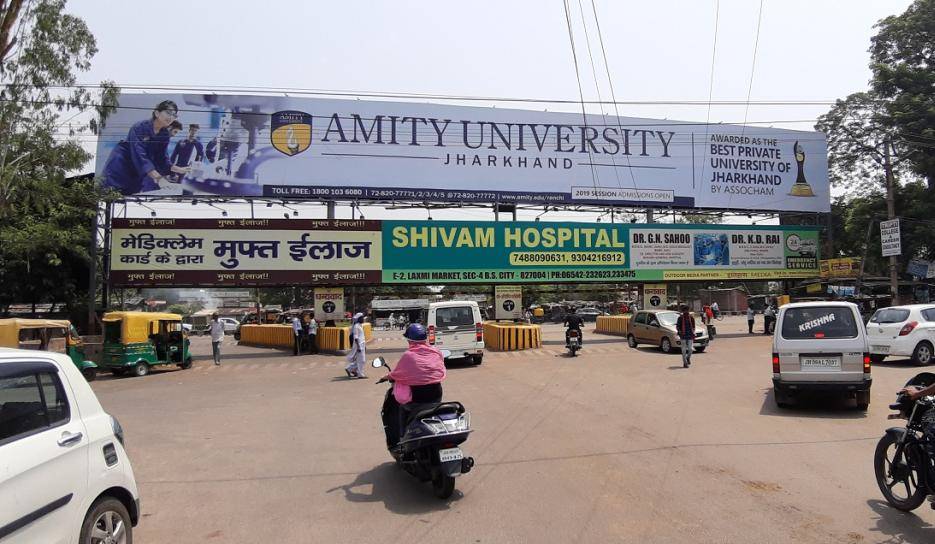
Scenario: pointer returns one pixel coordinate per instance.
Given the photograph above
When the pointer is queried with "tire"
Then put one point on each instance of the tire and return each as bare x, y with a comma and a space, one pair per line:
141, 369
701, 349
187, 364
444, 485
106, 511
863, 400
666, 345
922, 355
477, 359
876, 358
89, 373
631, 341
881, 465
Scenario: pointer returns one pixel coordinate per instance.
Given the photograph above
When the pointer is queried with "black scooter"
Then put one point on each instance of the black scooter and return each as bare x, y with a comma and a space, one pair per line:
431, 433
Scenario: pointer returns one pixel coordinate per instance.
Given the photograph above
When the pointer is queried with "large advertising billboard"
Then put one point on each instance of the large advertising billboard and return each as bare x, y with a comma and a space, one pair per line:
252, 252
312, 148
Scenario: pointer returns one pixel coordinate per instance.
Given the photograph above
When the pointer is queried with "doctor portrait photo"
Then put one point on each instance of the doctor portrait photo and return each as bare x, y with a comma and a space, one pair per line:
139, 163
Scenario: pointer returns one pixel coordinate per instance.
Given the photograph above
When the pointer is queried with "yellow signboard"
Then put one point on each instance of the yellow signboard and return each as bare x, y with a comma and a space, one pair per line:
846, 267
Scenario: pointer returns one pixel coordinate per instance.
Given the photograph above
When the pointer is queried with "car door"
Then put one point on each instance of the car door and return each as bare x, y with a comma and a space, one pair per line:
639, 326
654, 332
43, 454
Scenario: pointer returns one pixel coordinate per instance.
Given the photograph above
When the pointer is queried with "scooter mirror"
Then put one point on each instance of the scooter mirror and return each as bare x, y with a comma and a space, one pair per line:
378, 362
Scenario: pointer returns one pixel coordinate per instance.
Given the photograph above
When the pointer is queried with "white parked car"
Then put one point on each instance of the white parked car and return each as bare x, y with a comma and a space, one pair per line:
64, 475
230, 324
903, 331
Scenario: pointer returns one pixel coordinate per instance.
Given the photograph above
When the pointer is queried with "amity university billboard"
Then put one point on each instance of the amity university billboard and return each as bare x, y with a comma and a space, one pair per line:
334, 252
308, 148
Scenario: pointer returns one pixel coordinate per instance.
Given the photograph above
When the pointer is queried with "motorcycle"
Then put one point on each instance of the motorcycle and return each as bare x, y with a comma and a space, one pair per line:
905, 471
428, 447
574, 342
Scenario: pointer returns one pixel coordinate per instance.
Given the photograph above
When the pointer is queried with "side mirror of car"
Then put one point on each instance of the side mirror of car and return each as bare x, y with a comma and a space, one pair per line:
378, 362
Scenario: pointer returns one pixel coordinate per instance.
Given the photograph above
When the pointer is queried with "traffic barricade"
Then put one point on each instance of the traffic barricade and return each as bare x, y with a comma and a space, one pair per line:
613, 324
267, 336
511, 336
283, 336
339, 338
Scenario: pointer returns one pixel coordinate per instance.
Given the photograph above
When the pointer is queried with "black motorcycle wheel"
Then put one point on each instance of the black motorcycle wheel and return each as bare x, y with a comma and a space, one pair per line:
443, 486
893, 480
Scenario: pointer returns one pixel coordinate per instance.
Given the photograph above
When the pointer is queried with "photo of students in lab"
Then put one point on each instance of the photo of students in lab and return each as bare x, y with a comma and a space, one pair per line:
140, 162
188, 150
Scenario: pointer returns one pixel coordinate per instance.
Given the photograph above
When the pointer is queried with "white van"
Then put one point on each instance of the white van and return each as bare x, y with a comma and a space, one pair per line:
821, 346
457, 326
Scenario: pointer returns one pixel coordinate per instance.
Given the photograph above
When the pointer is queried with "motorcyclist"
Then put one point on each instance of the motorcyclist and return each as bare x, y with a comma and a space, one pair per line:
915, 393
573, 322
416, 379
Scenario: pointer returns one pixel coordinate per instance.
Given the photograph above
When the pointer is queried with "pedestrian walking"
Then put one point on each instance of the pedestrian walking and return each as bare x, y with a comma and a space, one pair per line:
312, 333
685, 325
216, 329
768, 316
706, 314
357, 357
297, 335
750, 319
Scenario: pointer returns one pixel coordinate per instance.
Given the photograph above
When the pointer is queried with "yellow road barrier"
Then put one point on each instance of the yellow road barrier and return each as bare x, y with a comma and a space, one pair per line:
511, 336
282, 336
613, 324
267, 336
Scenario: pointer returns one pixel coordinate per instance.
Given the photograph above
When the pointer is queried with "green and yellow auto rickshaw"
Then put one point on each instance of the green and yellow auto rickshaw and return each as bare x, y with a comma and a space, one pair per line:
136, 341
56, 335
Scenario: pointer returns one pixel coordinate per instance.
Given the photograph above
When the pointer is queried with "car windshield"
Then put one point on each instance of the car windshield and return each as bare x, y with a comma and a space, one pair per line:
668, 318
890, 315
819, 322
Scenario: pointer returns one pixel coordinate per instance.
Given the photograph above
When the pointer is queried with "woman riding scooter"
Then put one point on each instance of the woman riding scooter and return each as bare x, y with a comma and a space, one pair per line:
416, 379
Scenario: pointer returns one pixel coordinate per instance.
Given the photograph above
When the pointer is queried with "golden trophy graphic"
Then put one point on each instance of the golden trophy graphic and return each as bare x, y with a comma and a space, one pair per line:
801, 187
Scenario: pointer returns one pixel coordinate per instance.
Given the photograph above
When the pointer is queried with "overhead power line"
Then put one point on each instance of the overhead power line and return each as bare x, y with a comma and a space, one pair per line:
227, 89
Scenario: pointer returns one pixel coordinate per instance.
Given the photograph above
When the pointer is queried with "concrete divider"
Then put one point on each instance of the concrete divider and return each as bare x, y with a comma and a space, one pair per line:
282, 336
613, 324
511, 336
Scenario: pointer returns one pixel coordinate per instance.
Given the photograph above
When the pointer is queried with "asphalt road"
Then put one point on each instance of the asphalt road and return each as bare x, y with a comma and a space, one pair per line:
616, 445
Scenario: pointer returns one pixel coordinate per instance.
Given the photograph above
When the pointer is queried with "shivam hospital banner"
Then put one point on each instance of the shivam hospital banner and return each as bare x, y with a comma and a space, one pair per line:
231, 252
312, 148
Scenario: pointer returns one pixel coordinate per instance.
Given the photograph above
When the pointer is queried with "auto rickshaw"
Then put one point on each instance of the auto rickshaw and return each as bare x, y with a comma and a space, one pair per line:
56, 335
136, 341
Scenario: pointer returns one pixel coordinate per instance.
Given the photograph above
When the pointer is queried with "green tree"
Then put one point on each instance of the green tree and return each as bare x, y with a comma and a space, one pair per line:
46, 217
903, 64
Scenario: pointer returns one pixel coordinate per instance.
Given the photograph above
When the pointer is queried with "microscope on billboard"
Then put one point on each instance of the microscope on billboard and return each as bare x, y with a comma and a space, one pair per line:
233, 157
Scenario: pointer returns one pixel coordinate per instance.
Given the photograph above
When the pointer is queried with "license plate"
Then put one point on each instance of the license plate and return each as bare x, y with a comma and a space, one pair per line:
820, 363
880, 349
451, 454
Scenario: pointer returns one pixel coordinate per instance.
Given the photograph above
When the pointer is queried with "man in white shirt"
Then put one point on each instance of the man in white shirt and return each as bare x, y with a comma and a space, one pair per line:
297, 335
768, 314
715, 308
750, 318
312, 333
217, 334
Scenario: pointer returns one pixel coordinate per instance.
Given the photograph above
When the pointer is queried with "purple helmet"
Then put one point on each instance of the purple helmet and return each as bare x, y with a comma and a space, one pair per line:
416, 332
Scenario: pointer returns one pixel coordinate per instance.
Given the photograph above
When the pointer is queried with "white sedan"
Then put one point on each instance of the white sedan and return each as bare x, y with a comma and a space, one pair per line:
903, 331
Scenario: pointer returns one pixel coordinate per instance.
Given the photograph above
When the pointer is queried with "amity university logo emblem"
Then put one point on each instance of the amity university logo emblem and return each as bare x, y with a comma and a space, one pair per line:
291, 132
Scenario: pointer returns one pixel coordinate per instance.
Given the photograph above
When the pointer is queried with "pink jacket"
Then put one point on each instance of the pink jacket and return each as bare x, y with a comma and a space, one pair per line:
422, 364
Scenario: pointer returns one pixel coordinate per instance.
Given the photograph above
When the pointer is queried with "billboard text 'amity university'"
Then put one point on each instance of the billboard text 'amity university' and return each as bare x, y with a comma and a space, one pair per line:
311, 148
337, 252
